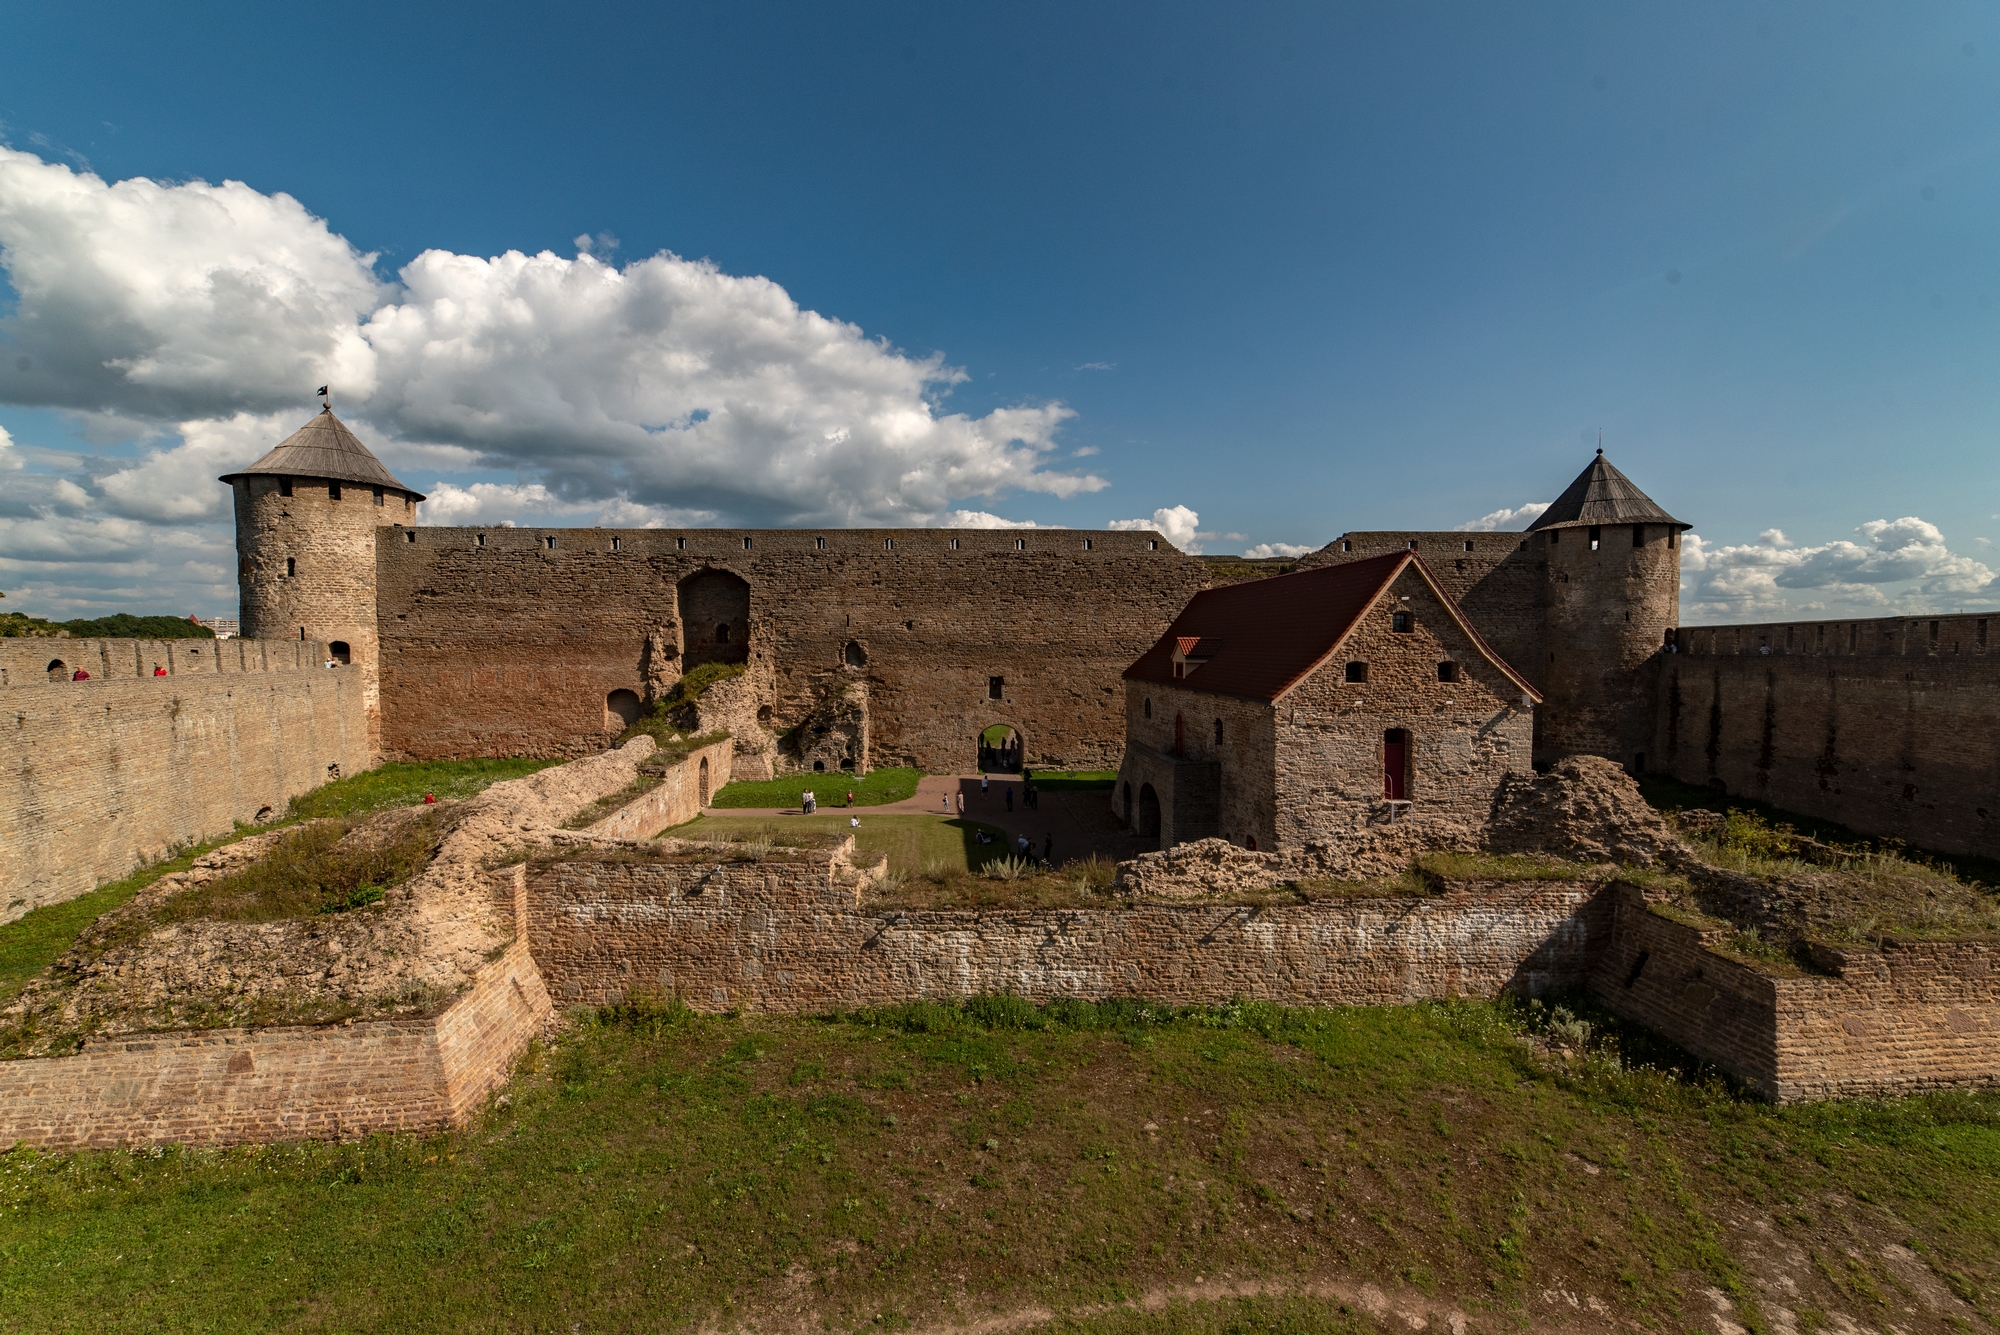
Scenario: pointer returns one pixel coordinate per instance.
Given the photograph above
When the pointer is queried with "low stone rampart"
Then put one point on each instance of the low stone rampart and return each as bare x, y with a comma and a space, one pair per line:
1912, 1015
229, 1086
101, 776
787, 935
677, 799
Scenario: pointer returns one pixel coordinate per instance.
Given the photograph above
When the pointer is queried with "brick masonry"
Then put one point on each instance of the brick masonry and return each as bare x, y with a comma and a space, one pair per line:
1308, 770
1910, 1016
230, 1086
788, 936
101, 776
677, 799
512, 647
1891, 727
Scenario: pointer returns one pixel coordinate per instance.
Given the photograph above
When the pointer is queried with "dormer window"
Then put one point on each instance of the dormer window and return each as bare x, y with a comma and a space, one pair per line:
1191, 651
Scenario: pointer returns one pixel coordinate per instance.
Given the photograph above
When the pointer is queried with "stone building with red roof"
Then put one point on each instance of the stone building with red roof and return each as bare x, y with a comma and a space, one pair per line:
1292, 713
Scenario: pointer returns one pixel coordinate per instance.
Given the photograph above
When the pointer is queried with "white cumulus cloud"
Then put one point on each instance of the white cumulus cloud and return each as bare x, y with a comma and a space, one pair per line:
195, 320
981, 519
1900, 565
1503, 519
1263, 551
1175, 523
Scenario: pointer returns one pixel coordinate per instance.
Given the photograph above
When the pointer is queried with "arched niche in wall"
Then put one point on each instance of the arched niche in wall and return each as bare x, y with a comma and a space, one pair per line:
715, 618
621, 710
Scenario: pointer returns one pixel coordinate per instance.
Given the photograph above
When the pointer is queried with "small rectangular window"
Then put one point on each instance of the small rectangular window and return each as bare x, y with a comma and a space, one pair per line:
888, 544
1447, 672
479, 540
996, 687
954, 544
680, 544
1400, 622
1086, 544
549, 542
1357, 672
1413, 544
291, 566
1638, 535
1596, 536
1468, 544
1346, 546
378, 495
409, 535
1673, 538
1980, 632
1020, 544
284, 486
819, 544
1555, 536
1153, 545
617, 544
333, 491
746, 544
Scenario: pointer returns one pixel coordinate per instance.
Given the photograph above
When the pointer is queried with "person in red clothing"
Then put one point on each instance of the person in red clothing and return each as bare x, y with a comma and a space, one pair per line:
159, 671
79, 675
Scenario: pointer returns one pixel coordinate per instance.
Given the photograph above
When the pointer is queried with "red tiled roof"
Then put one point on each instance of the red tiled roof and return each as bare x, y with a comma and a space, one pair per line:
1266, 634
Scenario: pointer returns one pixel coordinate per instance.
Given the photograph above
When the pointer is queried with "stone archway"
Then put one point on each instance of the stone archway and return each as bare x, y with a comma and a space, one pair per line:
715, 618
1149, 812
1002, 749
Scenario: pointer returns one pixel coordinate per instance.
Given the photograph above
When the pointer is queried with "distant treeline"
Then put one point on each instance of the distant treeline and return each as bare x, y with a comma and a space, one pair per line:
123, 626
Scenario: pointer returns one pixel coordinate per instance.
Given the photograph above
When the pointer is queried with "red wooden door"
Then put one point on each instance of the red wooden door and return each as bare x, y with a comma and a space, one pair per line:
1395, 765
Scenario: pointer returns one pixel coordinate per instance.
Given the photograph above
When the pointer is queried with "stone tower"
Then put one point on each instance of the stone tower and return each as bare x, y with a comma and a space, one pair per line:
1612, 590
307, 515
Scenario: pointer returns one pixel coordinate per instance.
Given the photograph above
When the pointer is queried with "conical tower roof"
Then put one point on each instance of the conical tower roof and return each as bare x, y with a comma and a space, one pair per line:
1603, 495
324, 447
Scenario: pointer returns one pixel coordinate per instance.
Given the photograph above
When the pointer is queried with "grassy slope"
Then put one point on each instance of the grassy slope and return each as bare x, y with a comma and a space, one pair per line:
912, 842
872, 789
663, 1172
32, 942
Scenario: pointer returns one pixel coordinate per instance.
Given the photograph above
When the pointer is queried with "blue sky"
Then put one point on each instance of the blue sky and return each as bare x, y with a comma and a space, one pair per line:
1297, 269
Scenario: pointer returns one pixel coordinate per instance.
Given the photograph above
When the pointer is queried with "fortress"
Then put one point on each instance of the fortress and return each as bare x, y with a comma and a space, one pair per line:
1398, 691
871, 647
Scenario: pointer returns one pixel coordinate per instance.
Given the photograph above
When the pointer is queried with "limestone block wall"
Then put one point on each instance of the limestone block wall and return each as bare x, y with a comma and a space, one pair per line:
1913, 1015
678, 798
789, 937
230, 1086
1495, 577
99, 777
1890, 739
511, 647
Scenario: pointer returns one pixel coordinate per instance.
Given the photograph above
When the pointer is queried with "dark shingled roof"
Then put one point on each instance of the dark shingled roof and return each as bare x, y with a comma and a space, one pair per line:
1603, 495
1265, 635
324, 447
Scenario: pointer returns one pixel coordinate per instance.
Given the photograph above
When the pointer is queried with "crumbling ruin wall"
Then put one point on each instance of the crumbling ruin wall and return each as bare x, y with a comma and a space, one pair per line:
231, 1086
677, 799
1891, 738
99, 777
1910, 1016
789, 936
512, 648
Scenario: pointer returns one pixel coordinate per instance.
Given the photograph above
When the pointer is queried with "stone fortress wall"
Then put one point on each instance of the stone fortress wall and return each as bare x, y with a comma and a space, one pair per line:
1889, 726
511, 641
101, 776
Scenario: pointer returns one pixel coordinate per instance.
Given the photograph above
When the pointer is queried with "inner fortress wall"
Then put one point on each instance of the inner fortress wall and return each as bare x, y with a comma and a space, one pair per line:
495, 642
99, 777
1890, 727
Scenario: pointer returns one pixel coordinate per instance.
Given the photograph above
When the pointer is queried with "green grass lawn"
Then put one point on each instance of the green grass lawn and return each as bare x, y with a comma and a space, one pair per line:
872, 789
36, 940
912, 842
658, 1170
